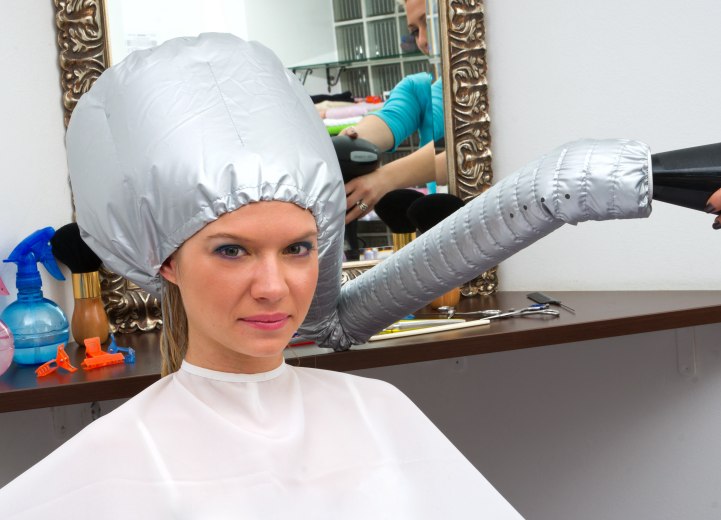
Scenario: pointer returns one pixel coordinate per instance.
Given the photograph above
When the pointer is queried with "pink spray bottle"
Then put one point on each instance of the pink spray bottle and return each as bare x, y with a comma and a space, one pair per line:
7, 346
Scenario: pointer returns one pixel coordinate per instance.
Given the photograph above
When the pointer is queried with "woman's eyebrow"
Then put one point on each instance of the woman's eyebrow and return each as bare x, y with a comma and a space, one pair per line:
306, 236
303, 235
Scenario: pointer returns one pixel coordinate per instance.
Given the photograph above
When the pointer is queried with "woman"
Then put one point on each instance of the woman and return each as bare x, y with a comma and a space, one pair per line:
415, 104
184, 183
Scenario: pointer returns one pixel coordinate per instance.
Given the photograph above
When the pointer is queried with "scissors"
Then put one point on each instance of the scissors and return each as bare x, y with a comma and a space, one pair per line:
532, 310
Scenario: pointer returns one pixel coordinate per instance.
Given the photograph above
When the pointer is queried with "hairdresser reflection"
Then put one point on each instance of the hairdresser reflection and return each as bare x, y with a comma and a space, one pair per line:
415, 104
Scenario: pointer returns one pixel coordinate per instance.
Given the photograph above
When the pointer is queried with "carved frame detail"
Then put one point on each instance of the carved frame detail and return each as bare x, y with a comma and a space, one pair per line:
83, 52
84, 55
468, 122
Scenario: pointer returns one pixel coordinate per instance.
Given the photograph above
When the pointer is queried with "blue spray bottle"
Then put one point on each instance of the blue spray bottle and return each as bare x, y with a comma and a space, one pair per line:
38, 325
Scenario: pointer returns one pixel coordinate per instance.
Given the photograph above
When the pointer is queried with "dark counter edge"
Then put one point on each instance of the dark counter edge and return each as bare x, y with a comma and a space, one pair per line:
74, 393
468, 344
471, 345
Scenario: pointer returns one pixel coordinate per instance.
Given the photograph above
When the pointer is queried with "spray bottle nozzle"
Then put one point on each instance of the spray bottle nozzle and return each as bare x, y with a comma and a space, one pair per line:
33, 249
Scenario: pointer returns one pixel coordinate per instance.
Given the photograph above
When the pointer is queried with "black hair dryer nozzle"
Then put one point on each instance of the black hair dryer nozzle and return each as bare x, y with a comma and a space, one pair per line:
687, 177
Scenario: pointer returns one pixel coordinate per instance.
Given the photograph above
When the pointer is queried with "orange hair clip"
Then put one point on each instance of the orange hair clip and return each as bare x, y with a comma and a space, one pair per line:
95, 357
62, 360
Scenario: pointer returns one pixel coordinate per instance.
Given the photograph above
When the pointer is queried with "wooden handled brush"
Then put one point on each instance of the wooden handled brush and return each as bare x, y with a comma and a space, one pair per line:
391, 209
89, 318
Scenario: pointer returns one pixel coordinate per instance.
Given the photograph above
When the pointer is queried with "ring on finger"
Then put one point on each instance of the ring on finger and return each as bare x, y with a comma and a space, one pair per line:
362, 205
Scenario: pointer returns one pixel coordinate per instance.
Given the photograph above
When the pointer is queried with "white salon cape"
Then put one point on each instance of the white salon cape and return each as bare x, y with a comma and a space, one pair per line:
292, 443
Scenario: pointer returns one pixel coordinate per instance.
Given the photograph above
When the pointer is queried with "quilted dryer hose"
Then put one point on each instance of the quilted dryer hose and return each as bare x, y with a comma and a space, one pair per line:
580, 181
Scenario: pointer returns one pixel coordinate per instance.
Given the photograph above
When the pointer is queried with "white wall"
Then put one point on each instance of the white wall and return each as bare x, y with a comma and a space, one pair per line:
560, 70
299, 33
595, 430
34, 184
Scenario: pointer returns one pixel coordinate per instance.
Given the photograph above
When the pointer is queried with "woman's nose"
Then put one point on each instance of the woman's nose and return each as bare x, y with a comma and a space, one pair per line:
422, 41
269, 281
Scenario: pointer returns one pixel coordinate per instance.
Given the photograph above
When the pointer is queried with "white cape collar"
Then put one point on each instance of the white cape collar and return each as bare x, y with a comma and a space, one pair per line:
232, 377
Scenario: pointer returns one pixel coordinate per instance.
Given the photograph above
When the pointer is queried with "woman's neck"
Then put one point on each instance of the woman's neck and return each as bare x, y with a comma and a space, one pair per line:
233, 362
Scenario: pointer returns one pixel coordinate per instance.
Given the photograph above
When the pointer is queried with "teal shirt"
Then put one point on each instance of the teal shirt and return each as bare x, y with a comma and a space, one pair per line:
415, 104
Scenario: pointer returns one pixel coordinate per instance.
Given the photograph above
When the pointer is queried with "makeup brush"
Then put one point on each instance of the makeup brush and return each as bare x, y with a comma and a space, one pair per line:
392, 208
425, 213
89, 318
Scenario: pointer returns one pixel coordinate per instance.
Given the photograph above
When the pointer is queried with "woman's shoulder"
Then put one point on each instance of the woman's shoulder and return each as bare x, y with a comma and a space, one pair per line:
417, 80
93, 456
95, 437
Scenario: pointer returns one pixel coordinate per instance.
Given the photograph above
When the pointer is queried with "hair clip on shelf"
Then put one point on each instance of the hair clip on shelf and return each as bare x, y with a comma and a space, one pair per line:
62, 360
128, 352
95, 357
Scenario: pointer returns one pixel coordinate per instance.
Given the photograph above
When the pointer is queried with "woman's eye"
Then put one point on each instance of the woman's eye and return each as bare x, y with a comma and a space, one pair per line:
230, 251
299, 249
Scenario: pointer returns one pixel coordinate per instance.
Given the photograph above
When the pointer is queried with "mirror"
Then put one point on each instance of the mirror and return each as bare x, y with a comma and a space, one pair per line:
85, 50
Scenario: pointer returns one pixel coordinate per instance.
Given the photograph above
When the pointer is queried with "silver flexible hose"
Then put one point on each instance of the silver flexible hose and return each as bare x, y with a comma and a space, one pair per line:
580, 181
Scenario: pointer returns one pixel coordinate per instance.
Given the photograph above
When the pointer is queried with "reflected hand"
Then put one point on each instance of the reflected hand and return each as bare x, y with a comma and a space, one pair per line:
350, 131
362, 193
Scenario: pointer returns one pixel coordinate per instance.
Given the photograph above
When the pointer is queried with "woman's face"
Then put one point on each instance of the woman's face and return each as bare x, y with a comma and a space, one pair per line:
416, 16
247, 281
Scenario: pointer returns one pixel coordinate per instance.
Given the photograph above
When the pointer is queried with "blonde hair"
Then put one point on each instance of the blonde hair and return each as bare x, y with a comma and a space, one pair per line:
174, 336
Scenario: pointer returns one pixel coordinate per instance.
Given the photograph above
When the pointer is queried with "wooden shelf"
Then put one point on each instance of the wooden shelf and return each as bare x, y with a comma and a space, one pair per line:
598, 315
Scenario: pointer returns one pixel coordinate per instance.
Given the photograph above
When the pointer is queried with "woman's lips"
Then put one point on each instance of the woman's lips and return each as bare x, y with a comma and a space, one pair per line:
267, 321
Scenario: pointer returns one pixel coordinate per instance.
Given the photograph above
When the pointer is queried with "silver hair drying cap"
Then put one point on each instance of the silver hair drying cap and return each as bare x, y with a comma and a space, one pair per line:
172, 137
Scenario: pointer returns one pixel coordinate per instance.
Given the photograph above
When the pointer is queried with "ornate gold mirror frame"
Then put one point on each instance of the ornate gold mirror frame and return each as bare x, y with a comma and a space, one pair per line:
467, 119
84, 54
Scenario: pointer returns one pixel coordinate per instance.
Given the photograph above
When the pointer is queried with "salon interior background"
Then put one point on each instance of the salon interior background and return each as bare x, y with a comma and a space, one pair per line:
595, 430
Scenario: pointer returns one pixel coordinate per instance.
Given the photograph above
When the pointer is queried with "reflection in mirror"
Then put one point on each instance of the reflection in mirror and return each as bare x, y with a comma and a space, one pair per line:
434, 36
373, 39
435, 59
84, 34
299, 32
401, 127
